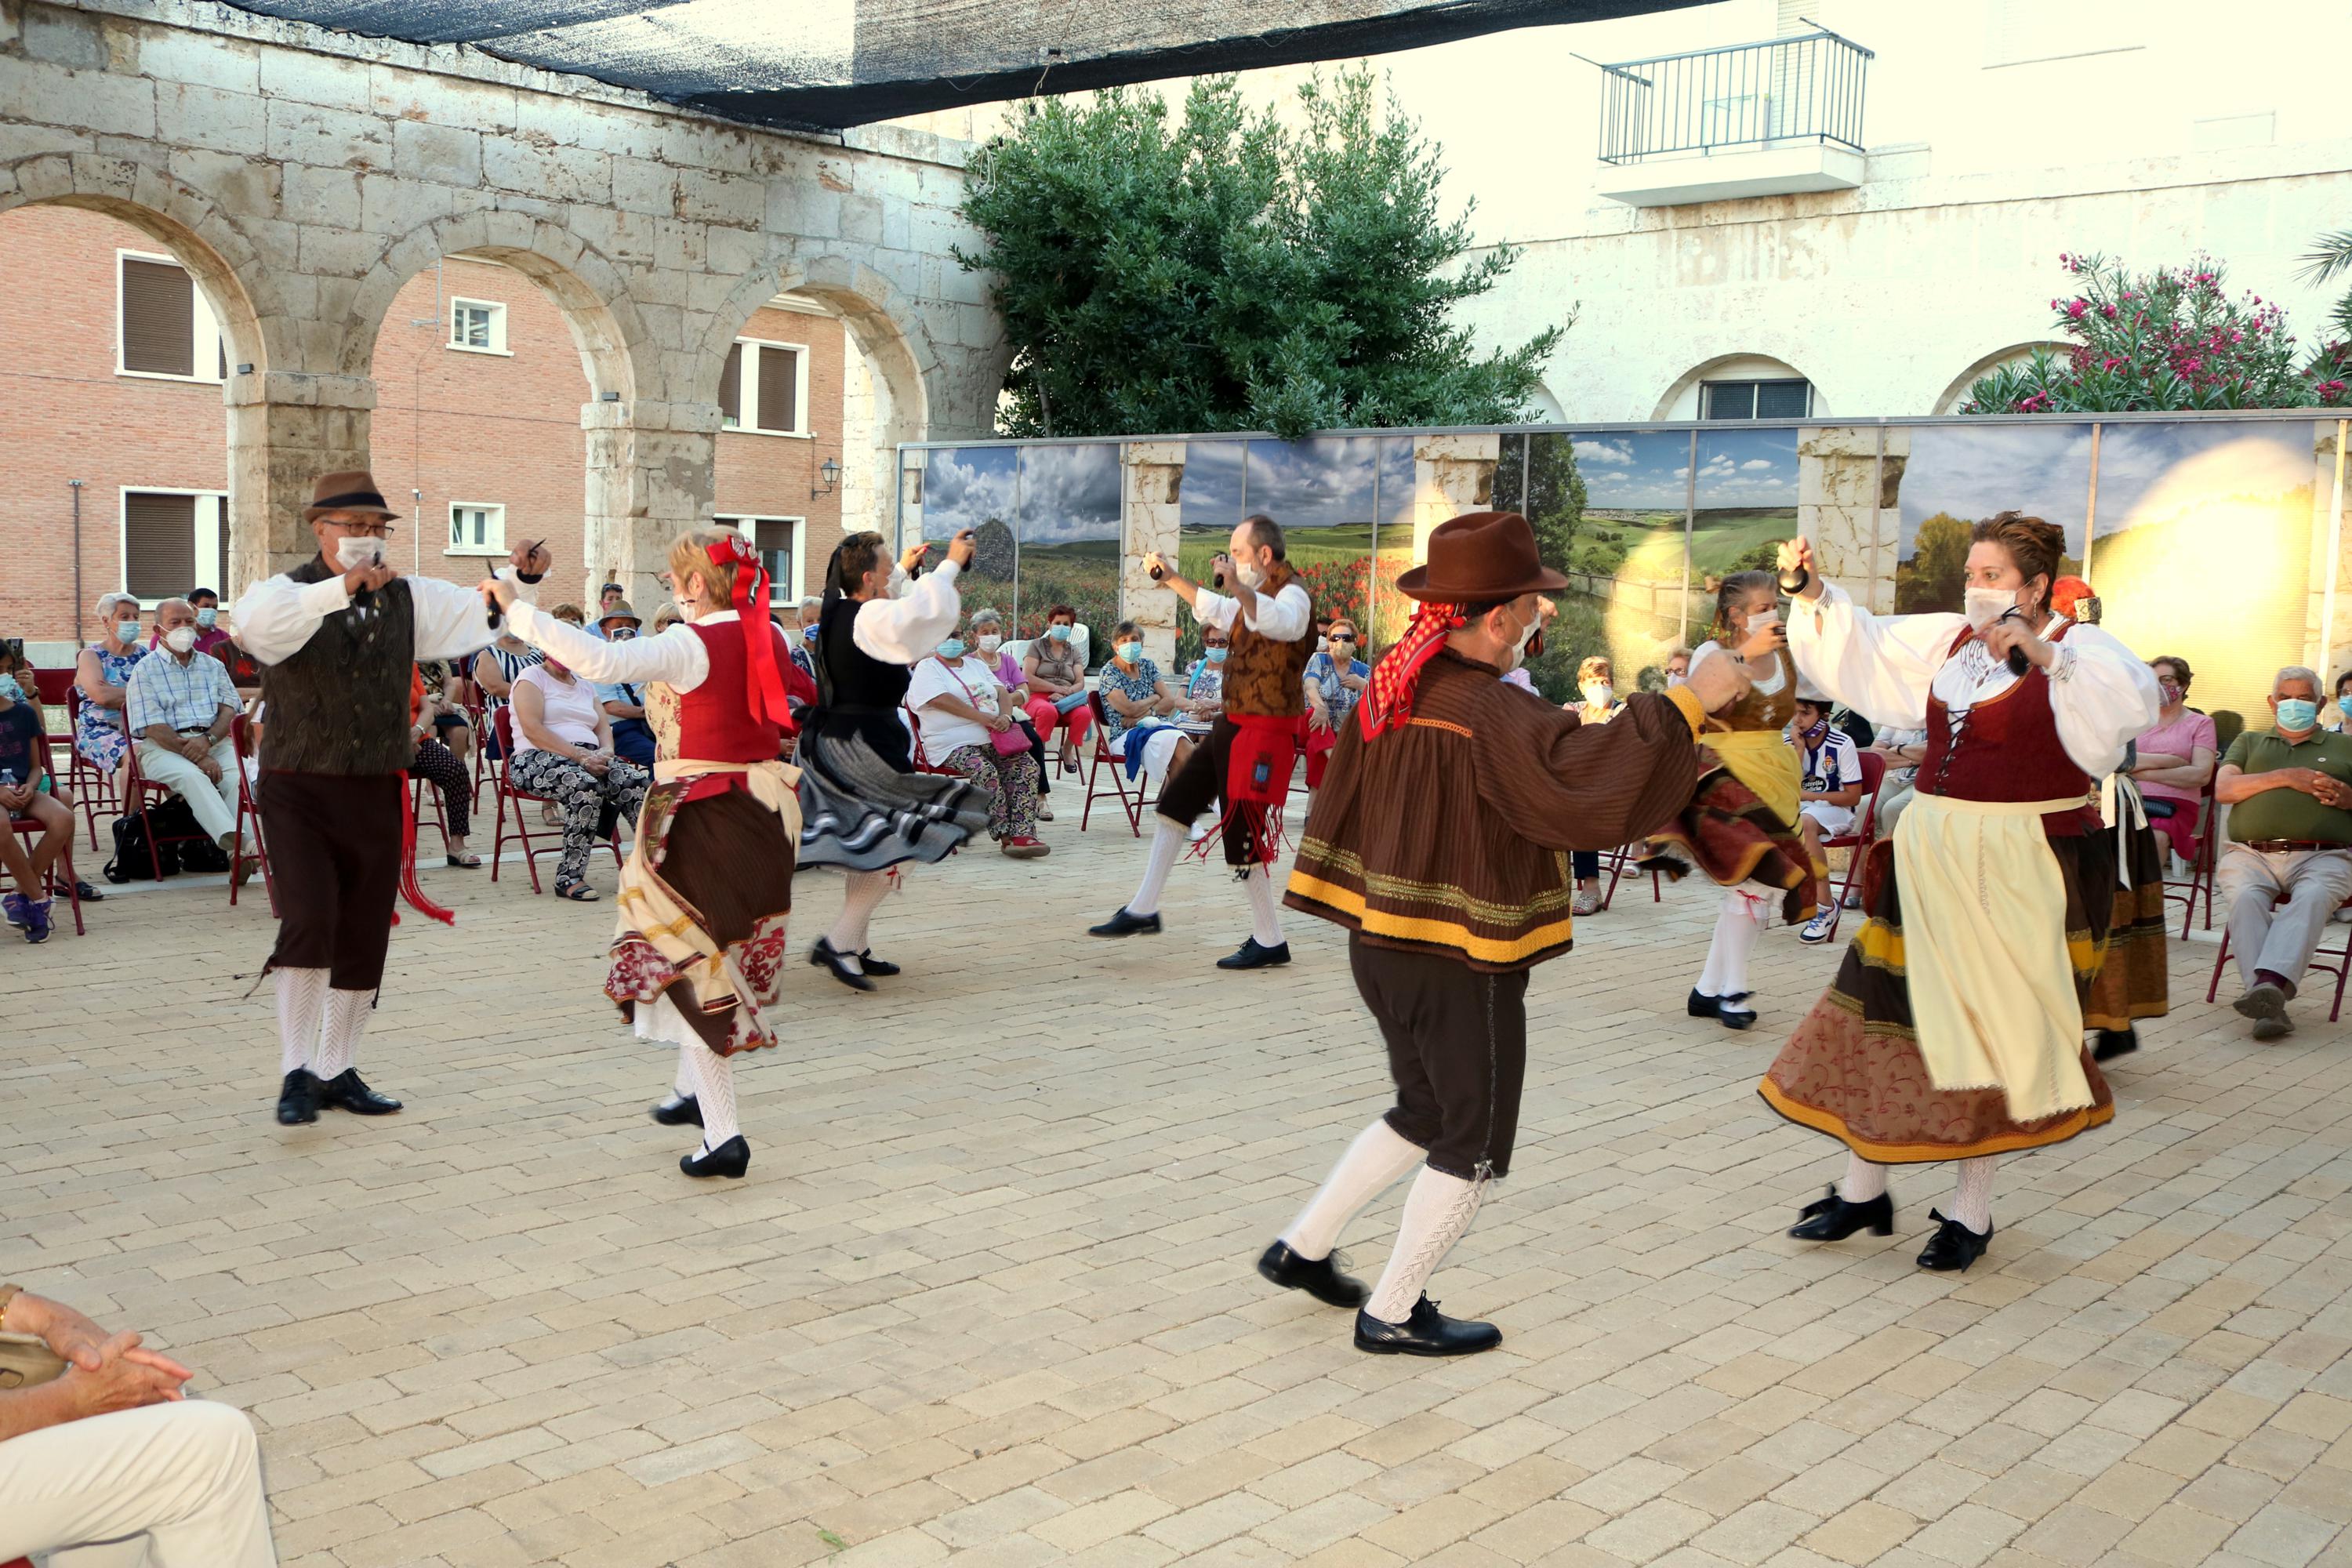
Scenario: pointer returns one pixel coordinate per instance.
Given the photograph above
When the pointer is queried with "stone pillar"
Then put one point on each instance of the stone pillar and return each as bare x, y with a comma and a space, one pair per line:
285, 430
1154, 480
650, 468
2327, 637
1450, 475
1847, 506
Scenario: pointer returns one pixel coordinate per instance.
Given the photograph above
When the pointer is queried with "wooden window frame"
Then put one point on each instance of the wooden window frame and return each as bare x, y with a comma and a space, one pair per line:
747, 392
201, 317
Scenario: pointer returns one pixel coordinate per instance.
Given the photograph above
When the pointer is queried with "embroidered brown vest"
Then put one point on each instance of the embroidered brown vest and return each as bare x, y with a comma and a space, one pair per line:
1265, 678
1755, 710
339, 704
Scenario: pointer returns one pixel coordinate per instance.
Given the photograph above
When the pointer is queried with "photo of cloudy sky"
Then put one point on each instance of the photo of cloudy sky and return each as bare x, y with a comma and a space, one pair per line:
963, 487
1047, 495
1972, 471
2139, 465
1322, 483
1634, 470
1753, 469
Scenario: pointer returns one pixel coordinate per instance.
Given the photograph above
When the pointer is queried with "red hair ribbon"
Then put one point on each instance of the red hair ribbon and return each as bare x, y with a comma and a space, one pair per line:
1388, 699
767, 682
2067, 594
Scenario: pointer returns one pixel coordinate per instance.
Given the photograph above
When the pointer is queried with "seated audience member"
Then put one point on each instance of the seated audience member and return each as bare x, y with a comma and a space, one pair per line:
111, 1464
441, 767
495, 671
1678, 667
180, 706
960, 711
210, 637
1596, 685
563, 750
28, 793
2175, 758
102, 677
2340, 719
19, 668
625, 701
610, 595
987, 639
451, 727
1204, 697
1056, 673
1335, 683
1830, 790
1131, 685
2289, 863
802, 621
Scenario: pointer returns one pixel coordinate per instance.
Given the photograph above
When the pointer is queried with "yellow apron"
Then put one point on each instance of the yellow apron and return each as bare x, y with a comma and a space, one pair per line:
1763, 761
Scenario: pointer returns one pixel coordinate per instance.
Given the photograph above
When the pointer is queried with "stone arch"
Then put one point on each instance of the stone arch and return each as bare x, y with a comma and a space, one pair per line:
1949, 399
1761, 358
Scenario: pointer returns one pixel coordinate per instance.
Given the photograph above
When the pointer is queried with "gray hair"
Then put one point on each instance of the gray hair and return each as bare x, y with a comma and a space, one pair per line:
984, 616
2297, 672
166, 604
812, 606
106, 603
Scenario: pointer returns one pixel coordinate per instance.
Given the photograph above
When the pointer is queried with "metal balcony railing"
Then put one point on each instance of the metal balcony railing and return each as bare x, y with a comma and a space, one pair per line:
1808, 88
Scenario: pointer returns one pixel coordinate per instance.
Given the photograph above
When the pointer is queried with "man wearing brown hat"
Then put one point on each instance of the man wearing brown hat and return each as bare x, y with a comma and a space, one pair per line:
337, 638
1441, 840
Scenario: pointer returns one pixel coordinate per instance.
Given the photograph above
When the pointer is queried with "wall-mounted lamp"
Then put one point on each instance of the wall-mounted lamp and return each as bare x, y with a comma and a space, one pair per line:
828, 472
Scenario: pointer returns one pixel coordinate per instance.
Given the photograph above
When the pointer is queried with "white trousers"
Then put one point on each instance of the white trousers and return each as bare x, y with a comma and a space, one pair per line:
215, 803
164, 1486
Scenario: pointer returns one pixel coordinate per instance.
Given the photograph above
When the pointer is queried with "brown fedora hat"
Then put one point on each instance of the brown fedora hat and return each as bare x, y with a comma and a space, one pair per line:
1480, 556
353, 489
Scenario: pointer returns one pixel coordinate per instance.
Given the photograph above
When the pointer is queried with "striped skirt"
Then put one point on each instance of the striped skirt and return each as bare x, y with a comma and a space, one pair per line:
2132, 982
1853, 1069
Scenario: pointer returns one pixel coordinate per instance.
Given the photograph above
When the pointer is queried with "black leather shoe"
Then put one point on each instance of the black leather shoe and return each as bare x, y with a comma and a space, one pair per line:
1733, 1012
1833, 1218
1953, 1246
878, 968
297, 1102
825, 956
348, 1092
1251, 955
732, 1158
1125, 924
1319, 1278
1427, 1332
2114, 1043
1700, 1006
679, 1113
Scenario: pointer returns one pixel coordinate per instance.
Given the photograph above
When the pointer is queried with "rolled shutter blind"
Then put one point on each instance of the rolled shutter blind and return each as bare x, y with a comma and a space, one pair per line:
779, 385
730, 385
159, 317
159, 545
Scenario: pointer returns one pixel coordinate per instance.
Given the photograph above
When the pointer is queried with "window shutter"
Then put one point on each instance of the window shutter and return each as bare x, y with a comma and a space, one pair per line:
779, 387
159, 545
730, 385
770, 537
1783, 399
159, 317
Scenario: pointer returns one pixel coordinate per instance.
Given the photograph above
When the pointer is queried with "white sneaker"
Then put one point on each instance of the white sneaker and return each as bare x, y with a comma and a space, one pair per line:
1818, 928
1199, 831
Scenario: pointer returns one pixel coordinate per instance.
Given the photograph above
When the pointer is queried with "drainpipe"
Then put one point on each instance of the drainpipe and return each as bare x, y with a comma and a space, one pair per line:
75, 485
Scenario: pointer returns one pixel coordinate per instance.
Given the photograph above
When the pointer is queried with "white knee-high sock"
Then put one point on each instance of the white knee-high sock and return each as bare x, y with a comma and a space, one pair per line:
681, 1086
1726, 954
1373, 1164
1265, 916
1863, 1180
339, 1041
1167, 842
1972, 1199
864, 895
302, 996
714, 1092
1437, 1211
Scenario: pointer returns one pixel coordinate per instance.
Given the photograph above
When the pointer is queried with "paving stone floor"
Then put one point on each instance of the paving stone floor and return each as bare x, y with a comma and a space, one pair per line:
987, 1296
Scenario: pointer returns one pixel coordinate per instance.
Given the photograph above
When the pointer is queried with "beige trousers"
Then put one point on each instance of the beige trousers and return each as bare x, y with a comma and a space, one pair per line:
164, 1486
213, 801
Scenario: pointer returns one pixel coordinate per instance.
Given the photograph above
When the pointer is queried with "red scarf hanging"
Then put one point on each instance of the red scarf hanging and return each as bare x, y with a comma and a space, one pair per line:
1388, 699
767, 693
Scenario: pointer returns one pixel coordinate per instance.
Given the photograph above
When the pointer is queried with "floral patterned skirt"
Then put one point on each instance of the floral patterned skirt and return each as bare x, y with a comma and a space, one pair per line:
2132, 982
727, 861
1853, 1069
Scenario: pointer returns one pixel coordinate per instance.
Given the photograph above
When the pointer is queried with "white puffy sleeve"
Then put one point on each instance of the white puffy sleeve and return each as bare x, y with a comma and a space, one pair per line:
908, 627
2102, 696
676, 658
278, 615
451, 619
1880, 667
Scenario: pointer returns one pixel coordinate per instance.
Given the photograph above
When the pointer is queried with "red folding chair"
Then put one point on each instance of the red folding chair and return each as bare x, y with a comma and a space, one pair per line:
248, 809
1859, 842
923, 763
93, 790
2200, 883
510, 793
138, 805
1619, 859
1106, 754
2336, 961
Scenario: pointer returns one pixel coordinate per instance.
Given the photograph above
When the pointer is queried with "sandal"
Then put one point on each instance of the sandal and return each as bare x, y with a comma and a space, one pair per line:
578, 892
470, 861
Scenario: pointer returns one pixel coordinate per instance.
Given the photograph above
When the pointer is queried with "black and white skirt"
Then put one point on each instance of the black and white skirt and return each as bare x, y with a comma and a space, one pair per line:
863, 810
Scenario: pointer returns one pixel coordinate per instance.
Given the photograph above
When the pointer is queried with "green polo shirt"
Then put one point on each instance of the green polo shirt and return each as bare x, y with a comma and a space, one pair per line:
2290, 812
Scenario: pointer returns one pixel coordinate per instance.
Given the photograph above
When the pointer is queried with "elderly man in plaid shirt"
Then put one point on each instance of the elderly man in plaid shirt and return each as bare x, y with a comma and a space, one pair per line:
180, 706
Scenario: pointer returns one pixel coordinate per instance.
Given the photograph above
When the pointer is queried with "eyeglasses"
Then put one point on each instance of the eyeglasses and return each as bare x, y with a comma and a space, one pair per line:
1343, 636
377, 529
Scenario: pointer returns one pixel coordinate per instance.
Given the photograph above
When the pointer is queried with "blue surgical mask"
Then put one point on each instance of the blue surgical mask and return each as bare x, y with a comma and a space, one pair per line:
9, 690
1130, 651
808, 633
1216, 654
1058, 632
952, 648
2343, 705
2297, 713
206, 616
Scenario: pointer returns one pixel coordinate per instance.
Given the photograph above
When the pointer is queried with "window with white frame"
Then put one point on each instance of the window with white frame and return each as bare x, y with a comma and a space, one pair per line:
478, 326
172, 540
778, 540
764, 388
164, 325
476, 528
1755, 399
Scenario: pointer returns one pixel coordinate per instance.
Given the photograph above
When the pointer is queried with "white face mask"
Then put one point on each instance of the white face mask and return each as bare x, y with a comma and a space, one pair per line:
990, 642
180, 639
1674, 680
1252, 577
1983, 606
355, 550
1518, 656
1600, 693
1763, 618
686, 608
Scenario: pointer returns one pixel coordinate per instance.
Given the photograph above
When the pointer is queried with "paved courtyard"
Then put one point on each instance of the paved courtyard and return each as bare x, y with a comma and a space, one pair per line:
987, 1294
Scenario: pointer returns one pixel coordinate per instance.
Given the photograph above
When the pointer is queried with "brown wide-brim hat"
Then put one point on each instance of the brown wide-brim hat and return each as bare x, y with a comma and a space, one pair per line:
355, 489
1480, 556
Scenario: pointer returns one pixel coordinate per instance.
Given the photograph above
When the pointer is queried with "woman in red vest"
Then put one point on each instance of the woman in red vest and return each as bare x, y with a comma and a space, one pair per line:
699, 955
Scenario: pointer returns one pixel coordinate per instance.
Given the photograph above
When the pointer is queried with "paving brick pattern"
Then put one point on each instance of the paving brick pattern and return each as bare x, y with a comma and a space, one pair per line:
987, 1296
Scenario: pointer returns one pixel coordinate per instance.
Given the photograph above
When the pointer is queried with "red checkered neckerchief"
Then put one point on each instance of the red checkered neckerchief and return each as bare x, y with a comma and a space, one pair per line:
1388, 699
